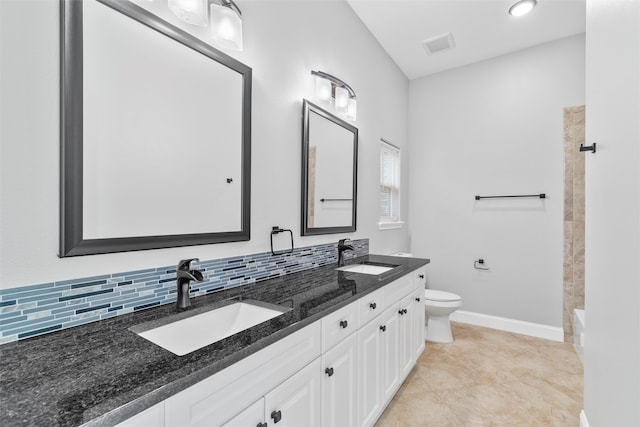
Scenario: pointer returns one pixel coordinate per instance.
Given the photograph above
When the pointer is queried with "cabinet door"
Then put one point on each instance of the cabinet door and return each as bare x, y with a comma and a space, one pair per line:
369, 373
418, 319
253, 416
406, 340
339, 385
390, 344
296, 402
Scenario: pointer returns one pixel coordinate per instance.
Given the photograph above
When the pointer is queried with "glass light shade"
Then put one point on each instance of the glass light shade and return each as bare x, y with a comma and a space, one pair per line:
342, 99
352, 107
323, 89
193, 12
522, 7
226, 27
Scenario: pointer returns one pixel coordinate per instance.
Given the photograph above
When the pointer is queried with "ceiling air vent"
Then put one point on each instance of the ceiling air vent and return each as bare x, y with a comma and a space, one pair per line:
439, 43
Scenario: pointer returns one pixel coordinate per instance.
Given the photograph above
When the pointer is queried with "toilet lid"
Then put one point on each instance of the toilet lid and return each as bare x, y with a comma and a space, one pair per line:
435, 295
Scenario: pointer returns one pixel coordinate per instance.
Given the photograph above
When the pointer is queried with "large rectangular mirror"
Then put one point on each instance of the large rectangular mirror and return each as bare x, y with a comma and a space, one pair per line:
329, 172
156, 134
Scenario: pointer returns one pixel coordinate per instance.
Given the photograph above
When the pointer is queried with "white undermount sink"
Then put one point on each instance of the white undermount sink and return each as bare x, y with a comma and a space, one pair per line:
368, 268
184, 336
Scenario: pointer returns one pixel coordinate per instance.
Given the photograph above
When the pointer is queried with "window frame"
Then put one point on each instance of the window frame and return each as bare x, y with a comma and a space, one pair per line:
394, 220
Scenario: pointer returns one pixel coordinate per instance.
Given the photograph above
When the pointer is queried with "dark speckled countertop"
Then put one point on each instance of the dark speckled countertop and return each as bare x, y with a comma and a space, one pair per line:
102, 373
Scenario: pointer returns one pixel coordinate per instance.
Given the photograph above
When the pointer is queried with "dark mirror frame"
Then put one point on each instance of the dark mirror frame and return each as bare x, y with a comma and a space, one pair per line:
307, 108
71, 136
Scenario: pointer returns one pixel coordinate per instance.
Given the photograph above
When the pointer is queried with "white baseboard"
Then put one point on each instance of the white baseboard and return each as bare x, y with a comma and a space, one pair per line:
553, 333
583, 419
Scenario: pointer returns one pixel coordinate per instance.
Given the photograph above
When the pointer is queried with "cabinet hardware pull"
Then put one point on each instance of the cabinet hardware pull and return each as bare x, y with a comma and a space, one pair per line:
383, 328
344, 324
329, 371
262, 425
277, 416
372, 306
404, 310
418, 299
421, 276
400, 312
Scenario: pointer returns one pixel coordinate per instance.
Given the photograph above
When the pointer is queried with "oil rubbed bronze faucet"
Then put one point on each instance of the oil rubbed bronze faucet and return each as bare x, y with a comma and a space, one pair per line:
341, 248
184, 276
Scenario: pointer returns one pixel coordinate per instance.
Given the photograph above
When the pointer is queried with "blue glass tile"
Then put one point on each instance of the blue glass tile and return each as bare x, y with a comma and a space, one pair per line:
49, 301
7, 303
70, 297
124, 283
26, 326
82, 321
141, 307
39, 331
11, 320
4, 292
70, 308
98, 307
108, 315
81, 280
86, 284
131, 273
38, 298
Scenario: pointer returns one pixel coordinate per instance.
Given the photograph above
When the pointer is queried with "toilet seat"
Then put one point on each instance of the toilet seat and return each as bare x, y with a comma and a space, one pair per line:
442, 296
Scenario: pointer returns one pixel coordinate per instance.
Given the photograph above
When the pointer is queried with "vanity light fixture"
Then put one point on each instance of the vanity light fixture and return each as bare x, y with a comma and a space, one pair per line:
223, 16
344, 98
522, 7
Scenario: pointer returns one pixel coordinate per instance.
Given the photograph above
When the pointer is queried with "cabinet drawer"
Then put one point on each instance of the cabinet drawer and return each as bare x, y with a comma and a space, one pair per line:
338, 325
369, 306
420, 278
398, 290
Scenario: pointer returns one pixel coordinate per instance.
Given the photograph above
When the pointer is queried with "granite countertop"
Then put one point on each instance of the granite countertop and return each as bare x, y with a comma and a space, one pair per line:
102, 373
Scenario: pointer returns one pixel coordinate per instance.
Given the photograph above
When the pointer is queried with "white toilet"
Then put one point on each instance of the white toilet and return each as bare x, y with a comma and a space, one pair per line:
438, 305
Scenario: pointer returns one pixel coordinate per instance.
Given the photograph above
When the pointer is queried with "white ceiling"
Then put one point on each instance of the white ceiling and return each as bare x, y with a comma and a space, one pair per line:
481, 29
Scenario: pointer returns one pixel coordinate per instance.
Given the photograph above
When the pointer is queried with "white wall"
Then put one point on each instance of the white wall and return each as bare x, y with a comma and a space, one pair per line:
284, 41
612, 232
495, 128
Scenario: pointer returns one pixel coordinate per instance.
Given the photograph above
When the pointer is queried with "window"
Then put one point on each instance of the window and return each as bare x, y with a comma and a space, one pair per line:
389, 186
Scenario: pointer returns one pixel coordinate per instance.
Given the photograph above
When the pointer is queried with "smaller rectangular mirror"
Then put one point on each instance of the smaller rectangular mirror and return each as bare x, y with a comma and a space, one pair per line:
329, 172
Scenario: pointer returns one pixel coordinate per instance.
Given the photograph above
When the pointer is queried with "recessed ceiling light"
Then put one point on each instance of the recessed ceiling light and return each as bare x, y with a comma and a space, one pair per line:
522, 7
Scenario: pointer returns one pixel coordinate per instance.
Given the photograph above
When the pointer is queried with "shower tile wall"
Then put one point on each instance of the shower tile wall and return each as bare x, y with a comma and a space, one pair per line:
573, 296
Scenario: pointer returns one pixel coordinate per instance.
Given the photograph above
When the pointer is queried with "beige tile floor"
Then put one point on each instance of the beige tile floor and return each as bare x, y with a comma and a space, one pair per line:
488, 377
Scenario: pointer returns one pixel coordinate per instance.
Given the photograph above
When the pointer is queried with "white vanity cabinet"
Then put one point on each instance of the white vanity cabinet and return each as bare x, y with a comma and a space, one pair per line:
339, 371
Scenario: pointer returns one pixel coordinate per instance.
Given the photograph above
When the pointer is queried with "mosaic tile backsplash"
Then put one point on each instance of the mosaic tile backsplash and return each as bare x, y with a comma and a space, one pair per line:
38, 309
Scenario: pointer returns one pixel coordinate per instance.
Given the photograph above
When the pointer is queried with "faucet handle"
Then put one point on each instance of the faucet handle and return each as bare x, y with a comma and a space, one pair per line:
184, 263
341, 241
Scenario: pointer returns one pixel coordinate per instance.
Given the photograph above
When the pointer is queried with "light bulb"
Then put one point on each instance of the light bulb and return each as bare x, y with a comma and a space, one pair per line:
193, 12
342, 99
352, 107
323, 89
522, 7
226, 27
